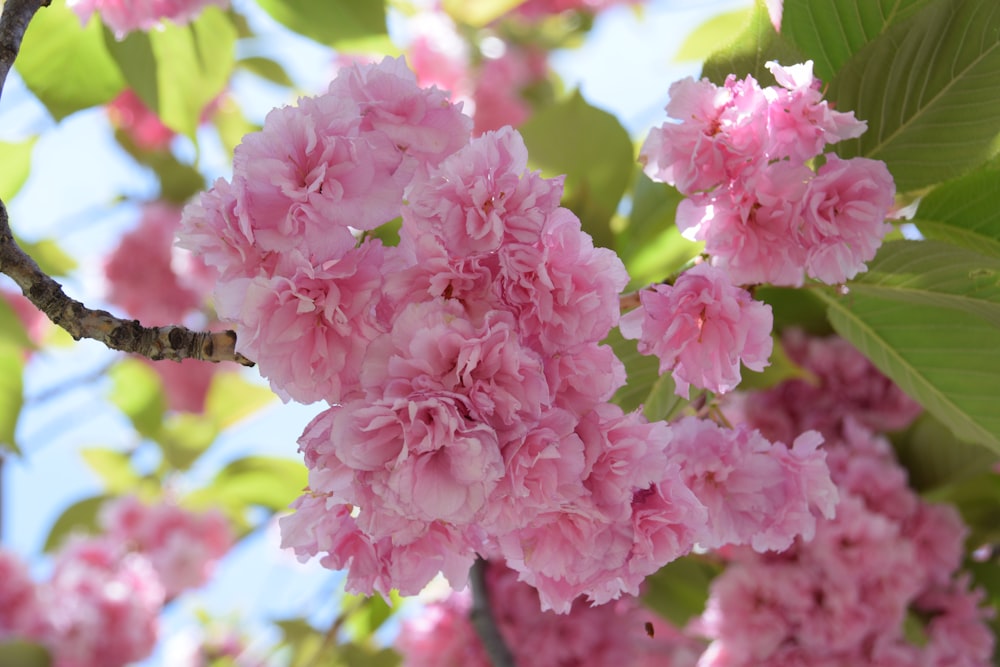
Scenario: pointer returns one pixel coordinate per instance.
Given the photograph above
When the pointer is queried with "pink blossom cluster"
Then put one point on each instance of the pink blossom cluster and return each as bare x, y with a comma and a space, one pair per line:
702, 328
739, 154
612, 634
841, 382
101, 604
130, 114
847, 596
886, 561
125, 16
182, 546
34, 321
159, 284
491, 86
463, 368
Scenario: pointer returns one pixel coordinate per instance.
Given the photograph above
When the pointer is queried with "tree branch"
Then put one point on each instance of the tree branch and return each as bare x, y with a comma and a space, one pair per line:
483, 621
170, 342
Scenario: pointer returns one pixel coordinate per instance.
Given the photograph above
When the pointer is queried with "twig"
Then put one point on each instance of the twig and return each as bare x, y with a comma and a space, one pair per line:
483, 621
170, 342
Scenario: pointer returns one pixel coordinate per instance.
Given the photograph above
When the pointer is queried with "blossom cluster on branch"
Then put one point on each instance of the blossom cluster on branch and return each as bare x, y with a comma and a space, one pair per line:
467, 382
100, 606
877, 585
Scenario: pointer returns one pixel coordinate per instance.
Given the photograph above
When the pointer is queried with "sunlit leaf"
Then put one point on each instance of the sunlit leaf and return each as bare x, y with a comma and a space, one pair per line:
339, 24
113, 467
232, 398
925, 88
263, 481
65, 65
478, 13
757, 44
184, 437
830, 32
592, 149
266, 69
49, 255
930, 338
18, 653
177, 70
138, 392
11, 393
716, 32
80, 517
16, 160
965, 211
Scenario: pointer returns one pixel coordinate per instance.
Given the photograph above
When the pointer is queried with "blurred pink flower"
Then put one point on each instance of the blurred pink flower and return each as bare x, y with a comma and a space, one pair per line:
124, 16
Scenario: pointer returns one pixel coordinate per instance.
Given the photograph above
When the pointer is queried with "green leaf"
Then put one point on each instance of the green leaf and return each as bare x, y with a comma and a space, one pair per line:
178, 70
266, 69
978, 500
184, 437
342, 24
593, 150
263, 481
663, 403
232, 124
113, 467
178, 181
16, 160
927, 89
720, 29
49, 256
643, 372
66, 65
357, 655
678, 591
80, 517
758, 44
11, 394
368, 614
651, 246
934, 457
12, 331
965, 211
478, 13
795, 308
137, 391
17, 653
946, 357
830, 32
935, 274
232, 398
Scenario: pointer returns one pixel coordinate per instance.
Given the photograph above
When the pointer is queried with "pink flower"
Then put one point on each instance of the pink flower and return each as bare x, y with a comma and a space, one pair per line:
500, 83
128, 113
144, 272
844, 216
433, 463
723, 132
103, 605
309, 330
186, 383
182, 546
124, 16
21, 614
309, 175
563, 290
482, 196
757, 492
800, 122
702, 328
422, 125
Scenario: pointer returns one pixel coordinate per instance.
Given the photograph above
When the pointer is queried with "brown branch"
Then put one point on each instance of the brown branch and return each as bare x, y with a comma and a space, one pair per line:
169, 342
483, 621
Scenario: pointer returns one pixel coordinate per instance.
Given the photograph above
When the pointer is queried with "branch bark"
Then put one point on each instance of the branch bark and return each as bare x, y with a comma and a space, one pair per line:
483, 621
169, 342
